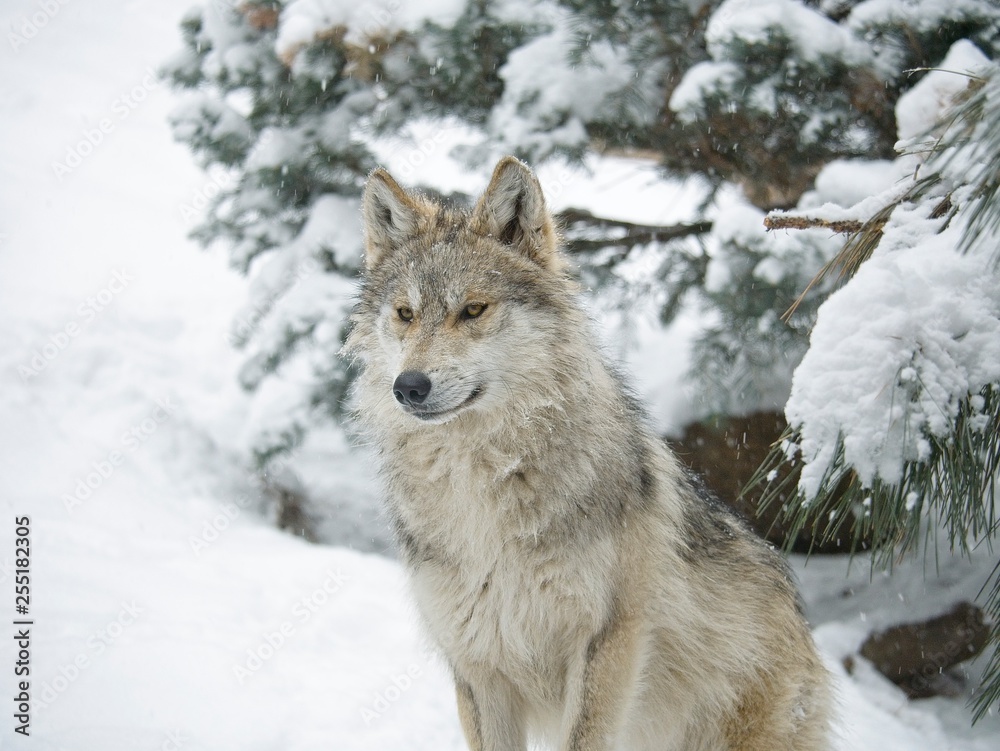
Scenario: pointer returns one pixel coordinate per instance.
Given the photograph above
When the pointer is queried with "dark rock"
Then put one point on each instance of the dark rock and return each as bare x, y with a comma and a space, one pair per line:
726, 452
918, 656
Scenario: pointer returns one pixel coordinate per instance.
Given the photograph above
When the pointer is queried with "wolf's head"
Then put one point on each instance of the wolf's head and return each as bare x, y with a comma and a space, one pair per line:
460, 312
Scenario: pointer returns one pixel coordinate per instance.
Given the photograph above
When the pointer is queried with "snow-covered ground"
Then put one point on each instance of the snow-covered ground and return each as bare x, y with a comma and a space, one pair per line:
167, 613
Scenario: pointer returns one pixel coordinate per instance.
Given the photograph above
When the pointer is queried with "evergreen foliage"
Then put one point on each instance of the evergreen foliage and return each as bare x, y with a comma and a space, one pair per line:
762, 94
946, 470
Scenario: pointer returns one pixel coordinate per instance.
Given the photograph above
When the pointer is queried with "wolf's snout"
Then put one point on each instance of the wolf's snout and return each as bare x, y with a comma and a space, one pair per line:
411, 387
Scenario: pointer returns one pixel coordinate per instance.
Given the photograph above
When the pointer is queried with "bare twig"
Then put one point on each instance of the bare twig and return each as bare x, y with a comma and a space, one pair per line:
634, 234
791, 221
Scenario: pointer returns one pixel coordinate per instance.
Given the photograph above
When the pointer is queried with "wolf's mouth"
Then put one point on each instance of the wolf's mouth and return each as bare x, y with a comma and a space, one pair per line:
432, 415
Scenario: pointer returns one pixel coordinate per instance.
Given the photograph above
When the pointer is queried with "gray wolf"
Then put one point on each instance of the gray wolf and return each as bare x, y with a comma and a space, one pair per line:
582, 591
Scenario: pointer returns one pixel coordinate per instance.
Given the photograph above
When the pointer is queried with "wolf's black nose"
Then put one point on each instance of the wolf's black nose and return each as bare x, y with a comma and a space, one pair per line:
411, 387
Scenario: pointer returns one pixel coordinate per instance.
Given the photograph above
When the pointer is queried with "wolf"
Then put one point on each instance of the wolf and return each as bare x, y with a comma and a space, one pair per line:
585, 595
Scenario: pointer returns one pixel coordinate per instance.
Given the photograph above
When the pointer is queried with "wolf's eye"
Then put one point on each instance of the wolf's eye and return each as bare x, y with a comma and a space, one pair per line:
405, 314
473, 310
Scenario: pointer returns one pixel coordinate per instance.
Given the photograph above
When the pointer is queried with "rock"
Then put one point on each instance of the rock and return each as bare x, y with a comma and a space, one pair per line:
917, 656
726, 452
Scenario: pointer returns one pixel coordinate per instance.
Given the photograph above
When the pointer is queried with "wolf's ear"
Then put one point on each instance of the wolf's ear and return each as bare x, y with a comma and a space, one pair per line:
390, 216
513, 210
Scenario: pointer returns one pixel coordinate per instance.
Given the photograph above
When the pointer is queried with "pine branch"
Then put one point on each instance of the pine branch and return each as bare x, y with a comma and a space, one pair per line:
953, 485
776, 220
955, 488
582, 222
976, 115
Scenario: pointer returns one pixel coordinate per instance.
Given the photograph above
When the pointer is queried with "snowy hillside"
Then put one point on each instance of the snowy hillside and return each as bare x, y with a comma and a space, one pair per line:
167, 612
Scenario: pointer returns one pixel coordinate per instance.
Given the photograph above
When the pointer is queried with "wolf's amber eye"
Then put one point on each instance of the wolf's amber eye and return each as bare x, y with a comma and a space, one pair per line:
473, 310
405, 314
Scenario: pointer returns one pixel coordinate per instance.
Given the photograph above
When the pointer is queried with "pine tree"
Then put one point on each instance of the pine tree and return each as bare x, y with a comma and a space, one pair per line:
288, 117
281, 133
895, 413
762, 94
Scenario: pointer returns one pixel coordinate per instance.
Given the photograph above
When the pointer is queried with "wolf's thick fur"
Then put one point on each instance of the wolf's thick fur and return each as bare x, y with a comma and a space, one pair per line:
582, 591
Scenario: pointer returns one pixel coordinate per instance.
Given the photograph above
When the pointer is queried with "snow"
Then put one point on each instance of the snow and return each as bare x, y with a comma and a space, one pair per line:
276, 147
303, 21
840, 192
228, 42
813, 35
701, 81
745, 24
917, 329
168, 612
850, 182
736, 223
628, 188
546, 100
921, 107
917, 303
334, 227
868, 17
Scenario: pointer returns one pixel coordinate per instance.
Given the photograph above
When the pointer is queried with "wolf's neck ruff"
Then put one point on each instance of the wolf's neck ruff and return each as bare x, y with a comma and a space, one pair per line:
580, 590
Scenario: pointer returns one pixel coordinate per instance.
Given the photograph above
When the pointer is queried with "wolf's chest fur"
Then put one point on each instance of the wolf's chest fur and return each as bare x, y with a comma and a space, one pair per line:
493, 575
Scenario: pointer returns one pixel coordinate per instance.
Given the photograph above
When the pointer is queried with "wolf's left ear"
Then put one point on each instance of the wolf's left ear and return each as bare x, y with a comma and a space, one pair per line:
390, 216
513, 210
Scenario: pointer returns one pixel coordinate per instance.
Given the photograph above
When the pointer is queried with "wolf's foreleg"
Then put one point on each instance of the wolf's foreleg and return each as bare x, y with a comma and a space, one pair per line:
602, 684
491, 715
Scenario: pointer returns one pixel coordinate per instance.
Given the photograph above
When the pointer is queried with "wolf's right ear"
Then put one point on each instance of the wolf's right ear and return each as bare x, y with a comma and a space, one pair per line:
390, 216
513, 211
